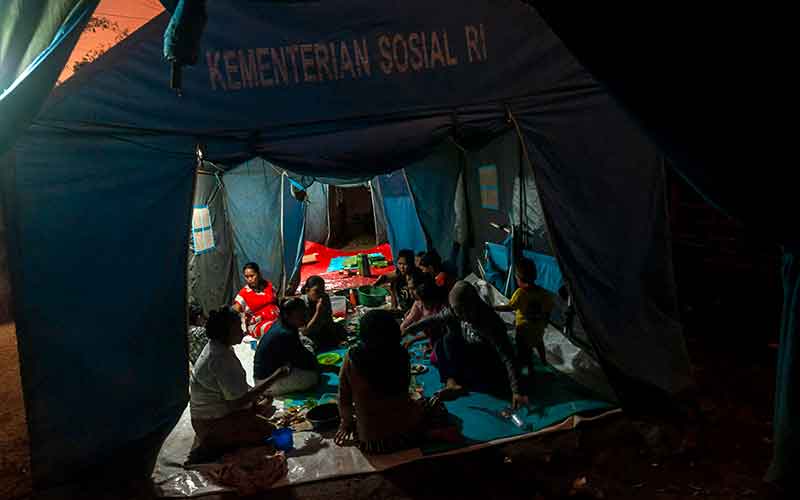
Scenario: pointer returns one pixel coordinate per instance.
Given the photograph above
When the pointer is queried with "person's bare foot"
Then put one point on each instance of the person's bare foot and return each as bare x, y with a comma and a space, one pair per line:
452, 390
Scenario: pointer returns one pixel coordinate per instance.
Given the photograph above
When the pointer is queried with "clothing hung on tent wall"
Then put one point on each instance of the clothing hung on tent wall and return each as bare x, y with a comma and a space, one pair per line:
109, 166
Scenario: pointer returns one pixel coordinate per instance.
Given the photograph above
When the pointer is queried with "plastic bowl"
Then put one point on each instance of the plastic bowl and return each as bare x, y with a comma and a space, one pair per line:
371, 296
324, 417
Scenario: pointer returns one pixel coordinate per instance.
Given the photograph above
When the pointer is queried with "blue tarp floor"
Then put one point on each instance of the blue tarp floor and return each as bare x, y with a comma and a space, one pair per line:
557, 403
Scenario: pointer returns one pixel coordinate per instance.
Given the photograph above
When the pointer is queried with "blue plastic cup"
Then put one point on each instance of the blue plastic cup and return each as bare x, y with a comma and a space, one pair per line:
282, 439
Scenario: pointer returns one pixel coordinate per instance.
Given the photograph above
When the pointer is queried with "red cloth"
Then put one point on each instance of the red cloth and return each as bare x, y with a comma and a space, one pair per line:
260, 308
335, 281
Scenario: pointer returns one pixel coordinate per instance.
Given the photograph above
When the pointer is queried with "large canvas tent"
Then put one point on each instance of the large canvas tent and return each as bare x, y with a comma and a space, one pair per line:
102, 185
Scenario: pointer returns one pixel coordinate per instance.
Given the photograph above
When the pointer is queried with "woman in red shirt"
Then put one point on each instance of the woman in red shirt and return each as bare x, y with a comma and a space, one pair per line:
256, 301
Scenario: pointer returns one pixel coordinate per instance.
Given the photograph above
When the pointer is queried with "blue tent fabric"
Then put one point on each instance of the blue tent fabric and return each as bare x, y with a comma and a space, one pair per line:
431, 182
116, 137
403, 228
100, 295
503, 154
614, 250
317, 220
293, 228
548, 277
257, 191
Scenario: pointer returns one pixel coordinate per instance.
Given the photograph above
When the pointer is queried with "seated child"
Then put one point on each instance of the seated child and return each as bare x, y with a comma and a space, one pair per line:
418, 258
402, 300
320, 329
533, 305
431, 263
428, 302
376, 409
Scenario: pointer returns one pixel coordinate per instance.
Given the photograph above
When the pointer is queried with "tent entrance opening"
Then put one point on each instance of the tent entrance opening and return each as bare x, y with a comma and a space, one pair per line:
352, 218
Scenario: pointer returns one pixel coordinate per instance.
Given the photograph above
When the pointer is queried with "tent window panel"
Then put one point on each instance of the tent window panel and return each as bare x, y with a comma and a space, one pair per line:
489, 189
202, 234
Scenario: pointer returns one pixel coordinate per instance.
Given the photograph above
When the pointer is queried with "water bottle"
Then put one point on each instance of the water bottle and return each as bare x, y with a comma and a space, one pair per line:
516, 419
363, 267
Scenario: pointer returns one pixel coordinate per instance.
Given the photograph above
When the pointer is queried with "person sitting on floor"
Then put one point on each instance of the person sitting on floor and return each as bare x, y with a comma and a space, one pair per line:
223, 407
281, 346
256, 301
428, 302
374, 403
321, 329
418, 259
431, 264
402, 299
197, 330
532, 305
476, 353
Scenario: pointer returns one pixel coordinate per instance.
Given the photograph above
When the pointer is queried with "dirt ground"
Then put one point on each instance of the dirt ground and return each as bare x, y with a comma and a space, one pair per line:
14, 456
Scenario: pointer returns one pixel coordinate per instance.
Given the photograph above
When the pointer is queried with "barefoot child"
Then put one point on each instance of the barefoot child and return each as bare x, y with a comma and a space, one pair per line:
532, 305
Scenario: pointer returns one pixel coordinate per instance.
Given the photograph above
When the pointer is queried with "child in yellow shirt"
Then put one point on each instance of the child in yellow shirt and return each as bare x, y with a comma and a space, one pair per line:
532, 305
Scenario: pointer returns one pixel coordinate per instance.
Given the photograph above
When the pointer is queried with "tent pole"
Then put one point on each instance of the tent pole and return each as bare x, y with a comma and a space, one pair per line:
283, 236
189, 258
374, 211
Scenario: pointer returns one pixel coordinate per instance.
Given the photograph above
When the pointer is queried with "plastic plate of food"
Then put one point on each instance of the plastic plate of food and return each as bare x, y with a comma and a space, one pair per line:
329, 358
416, 369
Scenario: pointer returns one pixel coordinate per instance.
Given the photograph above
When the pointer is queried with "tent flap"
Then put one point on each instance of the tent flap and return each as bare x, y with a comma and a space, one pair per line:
102, 273
403, 226
431, 182
267, 222
614, 250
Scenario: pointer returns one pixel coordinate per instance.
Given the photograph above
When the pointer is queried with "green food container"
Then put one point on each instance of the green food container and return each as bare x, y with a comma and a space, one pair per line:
371, 296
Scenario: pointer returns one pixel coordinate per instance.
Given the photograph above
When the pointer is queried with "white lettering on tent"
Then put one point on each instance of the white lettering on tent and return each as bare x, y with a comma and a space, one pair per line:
231, 69
250, 71
471, 35
347, 62
323, 61
263, 68
293, 50
279, 63
385, 47
416, 59
332, 60
214, 75
400, 53
362, 57
436, 51
450, 58
308, 62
